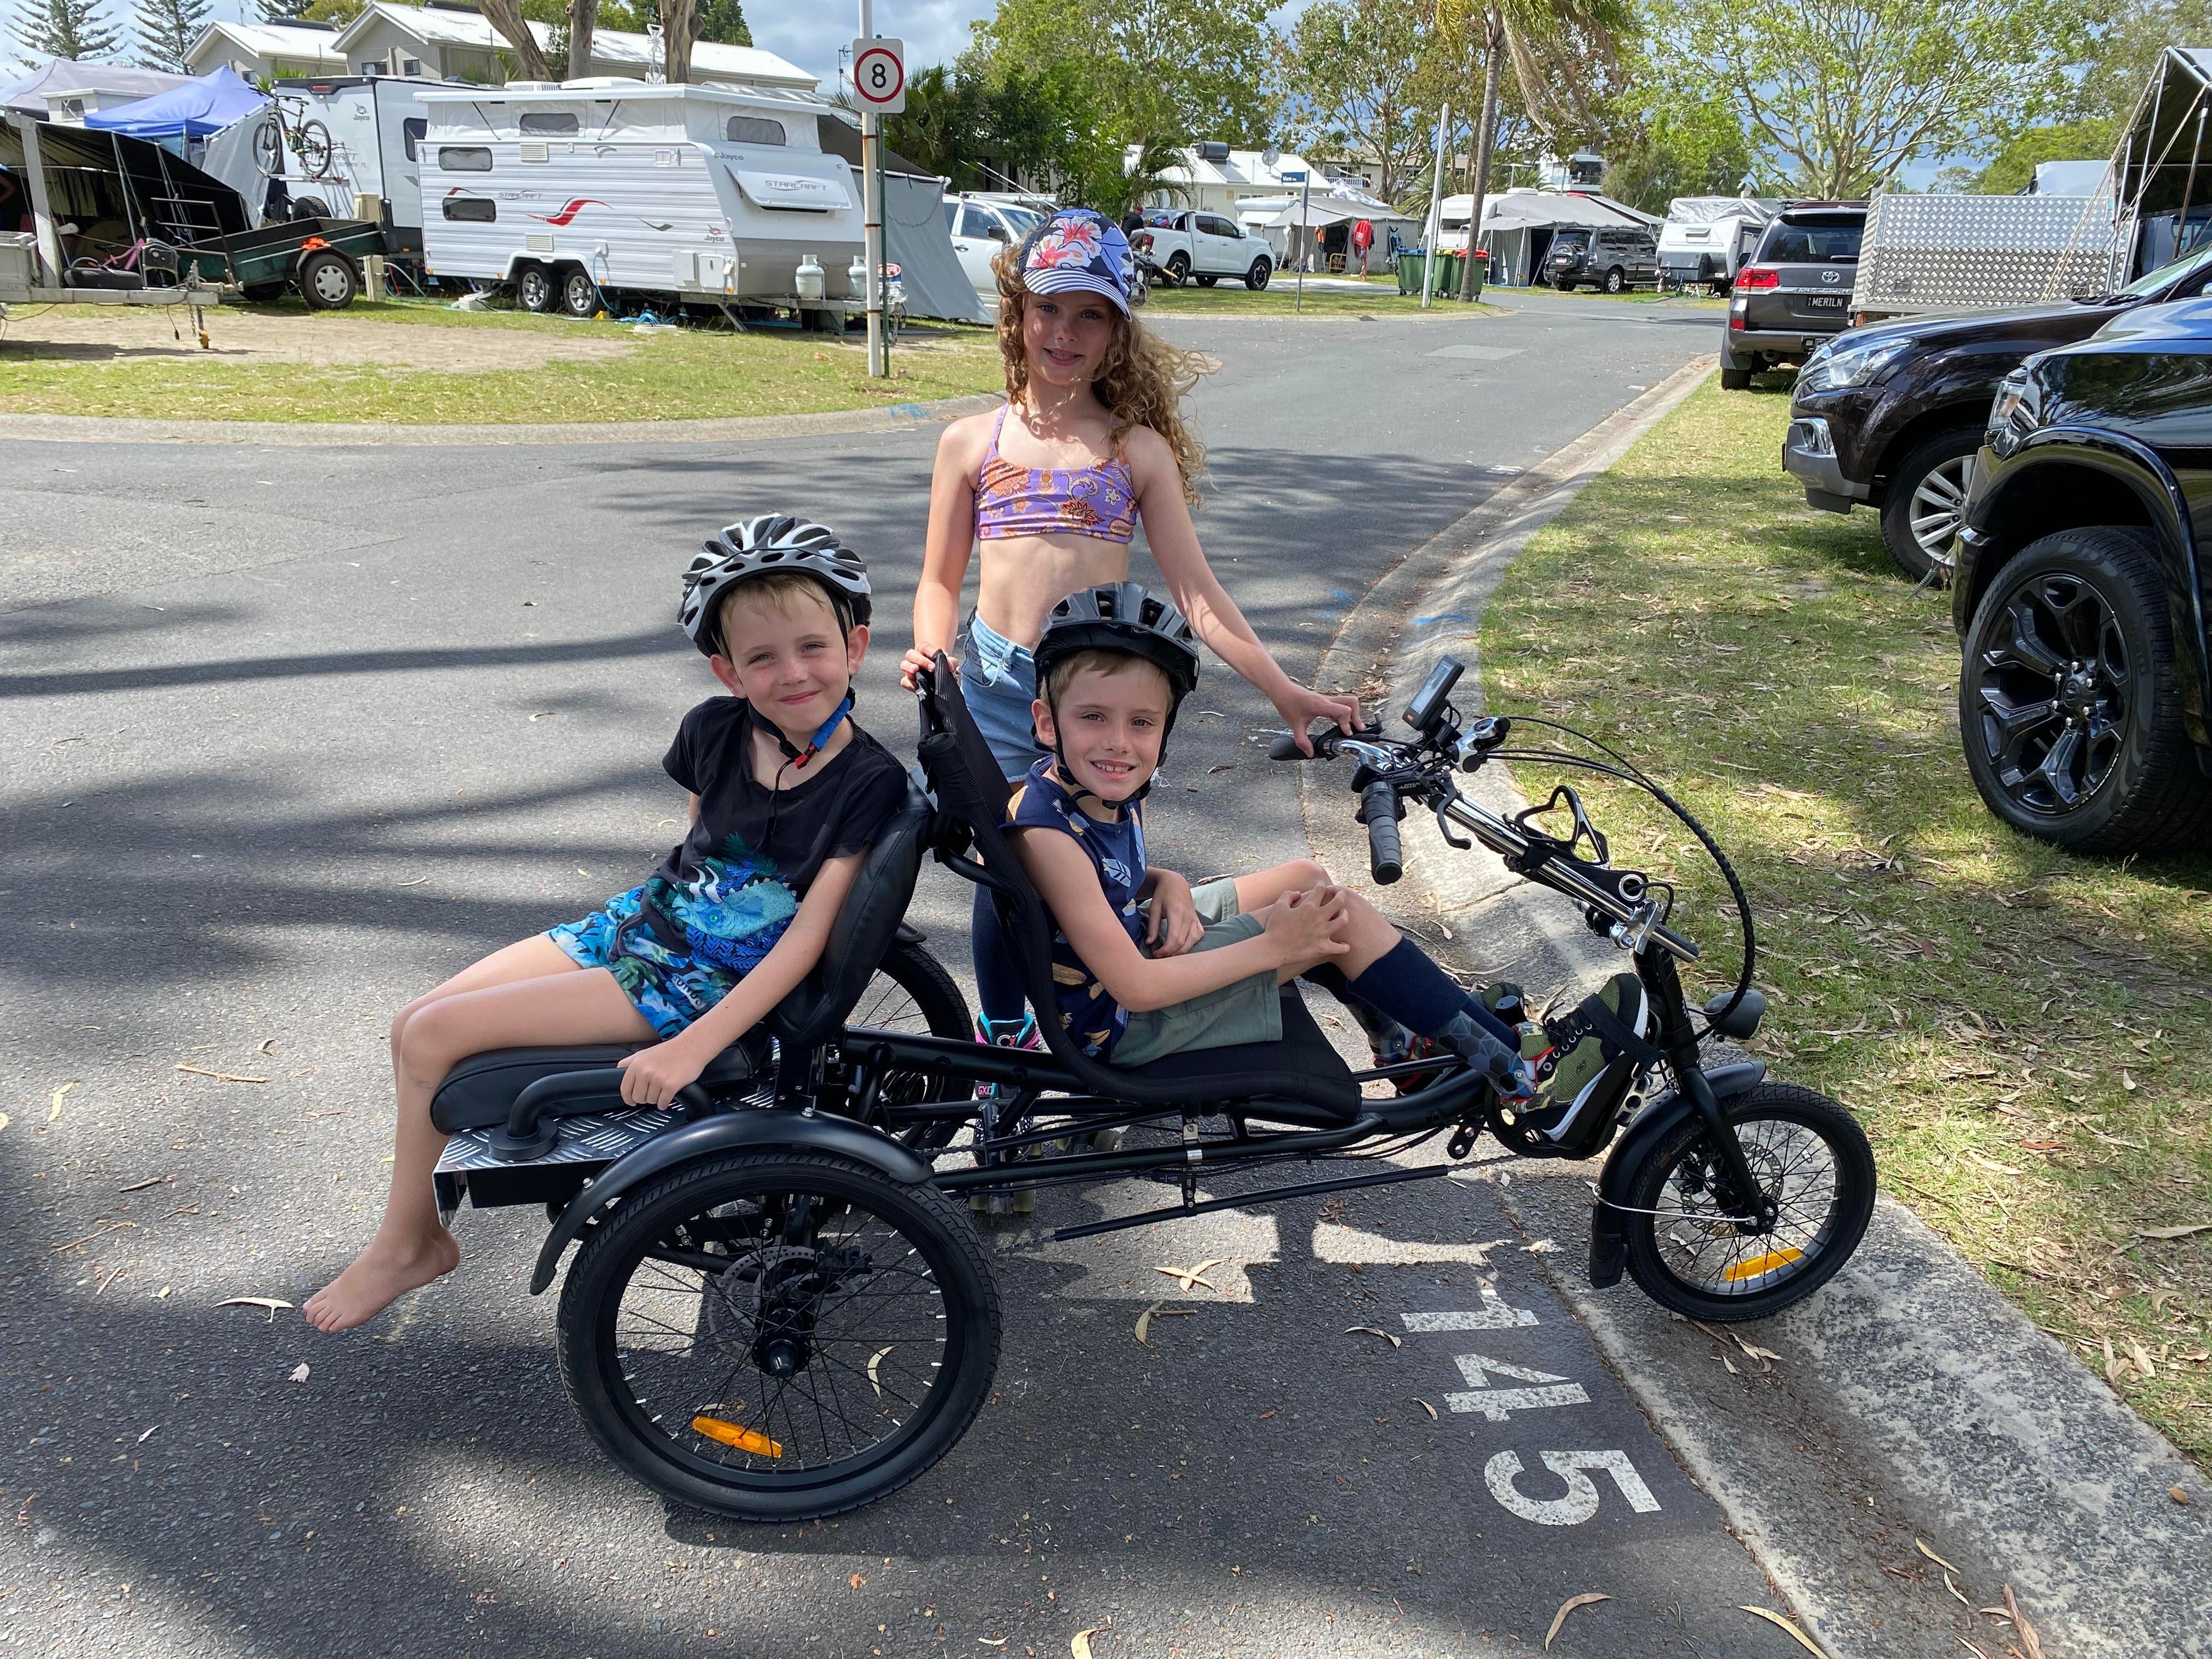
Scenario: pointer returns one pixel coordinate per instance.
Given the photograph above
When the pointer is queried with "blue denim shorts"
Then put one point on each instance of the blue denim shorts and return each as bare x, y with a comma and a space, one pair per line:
998, 681
670, 988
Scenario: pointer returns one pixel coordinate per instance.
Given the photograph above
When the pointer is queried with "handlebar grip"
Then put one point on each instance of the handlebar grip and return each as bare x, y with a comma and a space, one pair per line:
1286, 748
1378, 807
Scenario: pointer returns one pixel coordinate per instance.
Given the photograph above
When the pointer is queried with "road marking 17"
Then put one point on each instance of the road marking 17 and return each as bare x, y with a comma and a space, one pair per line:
1497, 1403
1581, 1500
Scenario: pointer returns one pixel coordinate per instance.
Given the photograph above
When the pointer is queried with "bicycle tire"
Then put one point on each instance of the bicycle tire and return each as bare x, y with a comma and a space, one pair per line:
311, 140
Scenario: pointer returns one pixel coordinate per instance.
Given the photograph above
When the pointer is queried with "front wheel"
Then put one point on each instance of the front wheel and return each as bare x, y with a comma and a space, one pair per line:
328, 280
533, 287
780, 1335
1927, 498
1178, 269
313, 141
1256, 278
1616, 281
1813, 1168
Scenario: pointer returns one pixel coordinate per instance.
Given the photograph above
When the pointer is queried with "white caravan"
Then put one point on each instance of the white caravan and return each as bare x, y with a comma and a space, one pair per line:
584, 190
376, 124
1702, 240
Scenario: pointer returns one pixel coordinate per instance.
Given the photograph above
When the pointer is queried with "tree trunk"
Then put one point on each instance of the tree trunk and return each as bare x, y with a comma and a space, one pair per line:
1493, 30
583, 20
506, 16
678, 25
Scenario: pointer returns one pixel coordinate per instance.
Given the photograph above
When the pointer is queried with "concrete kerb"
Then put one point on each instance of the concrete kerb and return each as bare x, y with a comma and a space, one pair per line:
744, 428
1913, 1399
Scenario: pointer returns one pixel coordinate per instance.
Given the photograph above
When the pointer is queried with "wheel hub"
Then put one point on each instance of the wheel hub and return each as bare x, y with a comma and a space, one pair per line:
789, 1293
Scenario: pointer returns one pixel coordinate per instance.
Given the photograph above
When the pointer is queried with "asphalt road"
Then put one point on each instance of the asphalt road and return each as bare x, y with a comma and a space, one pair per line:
291, 734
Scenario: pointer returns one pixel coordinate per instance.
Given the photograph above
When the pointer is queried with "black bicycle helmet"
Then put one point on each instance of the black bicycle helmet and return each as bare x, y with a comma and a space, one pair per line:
1121, 617
759, 547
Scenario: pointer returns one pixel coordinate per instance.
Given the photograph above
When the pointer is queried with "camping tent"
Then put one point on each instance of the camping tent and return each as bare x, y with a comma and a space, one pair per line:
113, 190
2160, 172
50, 92
1340, 208
209, 123
917, 236
1517, 226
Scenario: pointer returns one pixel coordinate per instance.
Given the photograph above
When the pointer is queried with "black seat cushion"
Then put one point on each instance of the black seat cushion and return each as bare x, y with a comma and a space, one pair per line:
479, 1093
1303, 1074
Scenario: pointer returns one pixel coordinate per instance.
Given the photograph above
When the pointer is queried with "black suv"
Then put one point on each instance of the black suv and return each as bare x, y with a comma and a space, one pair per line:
1795, 291
2085, 688
1892, 415
1606, 257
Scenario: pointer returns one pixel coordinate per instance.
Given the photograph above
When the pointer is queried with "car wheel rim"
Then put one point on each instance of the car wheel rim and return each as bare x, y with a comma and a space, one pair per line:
1936, 506
2052, 695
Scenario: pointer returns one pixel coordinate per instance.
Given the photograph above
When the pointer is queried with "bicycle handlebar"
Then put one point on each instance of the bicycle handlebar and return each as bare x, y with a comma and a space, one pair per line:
1378, 810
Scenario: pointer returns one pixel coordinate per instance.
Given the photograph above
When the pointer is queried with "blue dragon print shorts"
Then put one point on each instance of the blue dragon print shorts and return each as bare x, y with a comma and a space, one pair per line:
670, 988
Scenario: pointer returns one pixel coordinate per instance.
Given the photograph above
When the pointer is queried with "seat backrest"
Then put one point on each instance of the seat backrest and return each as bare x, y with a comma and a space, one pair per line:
861, 934
971, 790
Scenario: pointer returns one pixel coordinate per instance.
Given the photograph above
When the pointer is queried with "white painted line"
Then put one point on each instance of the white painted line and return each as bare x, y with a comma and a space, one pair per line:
1580, 1501
1492, 1315
1497, 1404
1479, 353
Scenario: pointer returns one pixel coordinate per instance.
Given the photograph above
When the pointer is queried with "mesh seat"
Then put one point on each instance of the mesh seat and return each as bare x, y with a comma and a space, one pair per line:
1301, 1079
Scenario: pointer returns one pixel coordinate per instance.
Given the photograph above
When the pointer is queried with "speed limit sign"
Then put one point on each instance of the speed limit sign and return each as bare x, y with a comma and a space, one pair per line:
879, 74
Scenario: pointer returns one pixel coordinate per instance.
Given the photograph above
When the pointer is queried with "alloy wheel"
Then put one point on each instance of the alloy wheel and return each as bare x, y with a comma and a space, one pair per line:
2053, 694
1937, 506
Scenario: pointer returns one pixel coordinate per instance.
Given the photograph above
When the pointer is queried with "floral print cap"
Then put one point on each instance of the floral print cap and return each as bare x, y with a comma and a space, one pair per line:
1078, 250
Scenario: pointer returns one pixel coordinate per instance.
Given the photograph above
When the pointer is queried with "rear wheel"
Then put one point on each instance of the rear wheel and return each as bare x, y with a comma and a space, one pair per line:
1927, 497
779, 1335
533, 288
912, 993
313, 141
1736, 380
579, 295
327, 280
1816, 1177
263, 293
1616, 279
1178, 269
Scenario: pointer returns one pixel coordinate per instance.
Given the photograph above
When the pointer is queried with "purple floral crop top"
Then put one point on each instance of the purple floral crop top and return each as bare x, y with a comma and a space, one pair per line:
1099, 501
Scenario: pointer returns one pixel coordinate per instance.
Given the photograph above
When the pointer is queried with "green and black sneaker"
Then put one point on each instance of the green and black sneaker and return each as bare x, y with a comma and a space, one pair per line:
1586, 1060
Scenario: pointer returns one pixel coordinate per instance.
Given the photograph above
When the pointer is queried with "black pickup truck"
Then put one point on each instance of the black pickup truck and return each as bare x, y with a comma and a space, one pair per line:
2082, 580
1892, 415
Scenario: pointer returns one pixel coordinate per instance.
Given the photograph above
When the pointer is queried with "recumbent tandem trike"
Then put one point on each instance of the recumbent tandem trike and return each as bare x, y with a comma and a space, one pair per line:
781, 1307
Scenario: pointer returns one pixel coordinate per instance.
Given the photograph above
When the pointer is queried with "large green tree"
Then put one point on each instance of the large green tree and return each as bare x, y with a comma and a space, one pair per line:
1845, 93
1354, 71
984, 129
1662, 144
166, 29
63, 29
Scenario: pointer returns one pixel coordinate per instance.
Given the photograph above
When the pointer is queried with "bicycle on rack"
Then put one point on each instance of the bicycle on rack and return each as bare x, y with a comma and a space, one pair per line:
288, 124
780, 1307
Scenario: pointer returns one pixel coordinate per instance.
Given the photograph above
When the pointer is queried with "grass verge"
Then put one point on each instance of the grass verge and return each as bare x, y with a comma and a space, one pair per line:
687, 375
2027, 1036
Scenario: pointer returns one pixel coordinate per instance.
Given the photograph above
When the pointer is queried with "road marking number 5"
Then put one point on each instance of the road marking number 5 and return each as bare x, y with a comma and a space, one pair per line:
1580, 1501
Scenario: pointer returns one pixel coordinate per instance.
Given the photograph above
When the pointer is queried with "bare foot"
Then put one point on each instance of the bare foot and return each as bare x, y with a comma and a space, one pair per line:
379, 1276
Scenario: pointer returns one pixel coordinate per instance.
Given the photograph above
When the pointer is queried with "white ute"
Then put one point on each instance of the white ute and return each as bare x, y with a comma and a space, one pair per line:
1205, 245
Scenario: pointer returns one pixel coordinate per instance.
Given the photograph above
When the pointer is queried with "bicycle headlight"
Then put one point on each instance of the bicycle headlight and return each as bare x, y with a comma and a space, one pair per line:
1834, 365
2016, 410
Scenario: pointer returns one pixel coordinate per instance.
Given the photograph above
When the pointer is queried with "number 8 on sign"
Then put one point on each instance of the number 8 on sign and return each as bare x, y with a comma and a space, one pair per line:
879, 74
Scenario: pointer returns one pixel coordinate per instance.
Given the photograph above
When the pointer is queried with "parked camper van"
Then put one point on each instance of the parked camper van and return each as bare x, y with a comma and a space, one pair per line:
1703, 240
585, 190
376, 124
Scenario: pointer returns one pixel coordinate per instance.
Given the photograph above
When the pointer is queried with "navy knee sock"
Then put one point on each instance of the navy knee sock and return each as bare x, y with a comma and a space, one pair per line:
1422, 997
997, 982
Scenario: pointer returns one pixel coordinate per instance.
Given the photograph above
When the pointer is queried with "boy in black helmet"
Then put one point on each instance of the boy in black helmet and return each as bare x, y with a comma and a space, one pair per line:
787, 794
1202, 969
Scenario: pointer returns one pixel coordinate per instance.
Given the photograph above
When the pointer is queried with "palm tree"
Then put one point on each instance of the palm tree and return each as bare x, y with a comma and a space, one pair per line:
1520, 33
1143, 174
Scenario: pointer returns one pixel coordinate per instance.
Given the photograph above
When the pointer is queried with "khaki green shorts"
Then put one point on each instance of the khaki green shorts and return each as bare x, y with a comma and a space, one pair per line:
1249, 1011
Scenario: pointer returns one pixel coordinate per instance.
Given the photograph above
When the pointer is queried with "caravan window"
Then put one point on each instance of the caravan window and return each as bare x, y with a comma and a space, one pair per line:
754, 129
411, 131
451, 159
481, 208
551, 124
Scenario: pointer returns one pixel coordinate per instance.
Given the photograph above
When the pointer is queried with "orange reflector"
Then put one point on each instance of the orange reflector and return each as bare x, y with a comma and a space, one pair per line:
731, 1435
1761, 1264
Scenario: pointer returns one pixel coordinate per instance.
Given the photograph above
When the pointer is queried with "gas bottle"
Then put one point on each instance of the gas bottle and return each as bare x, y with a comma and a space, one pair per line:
811, 285
858, 275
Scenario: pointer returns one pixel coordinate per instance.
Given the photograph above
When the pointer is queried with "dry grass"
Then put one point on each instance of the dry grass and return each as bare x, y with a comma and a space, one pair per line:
2027, 1036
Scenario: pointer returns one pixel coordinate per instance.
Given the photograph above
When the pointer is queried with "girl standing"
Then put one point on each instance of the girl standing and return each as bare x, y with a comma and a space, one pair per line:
1051, 489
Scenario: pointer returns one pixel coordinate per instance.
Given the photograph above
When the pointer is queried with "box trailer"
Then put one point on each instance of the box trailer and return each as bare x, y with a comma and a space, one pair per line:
1960, 254
376, 124
586, 191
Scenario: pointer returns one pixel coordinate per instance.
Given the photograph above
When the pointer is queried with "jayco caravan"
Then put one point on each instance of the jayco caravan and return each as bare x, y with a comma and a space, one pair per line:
376, 124
585, 190
1702, 240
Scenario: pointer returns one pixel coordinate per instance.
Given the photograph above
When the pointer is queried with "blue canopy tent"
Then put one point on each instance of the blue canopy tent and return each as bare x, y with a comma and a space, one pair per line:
198, 109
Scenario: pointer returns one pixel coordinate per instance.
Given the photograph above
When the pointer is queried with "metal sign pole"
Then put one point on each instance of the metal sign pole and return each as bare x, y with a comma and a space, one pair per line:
872, 209
1436, 211
1305, 237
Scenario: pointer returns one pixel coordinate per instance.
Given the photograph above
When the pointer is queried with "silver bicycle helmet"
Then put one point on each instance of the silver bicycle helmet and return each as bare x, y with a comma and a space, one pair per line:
1121, 617
760, 547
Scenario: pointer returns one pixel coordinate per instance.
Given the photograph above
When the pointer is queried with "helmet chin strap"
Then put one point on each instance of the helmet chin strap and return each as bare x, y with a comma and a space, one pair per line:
798, 756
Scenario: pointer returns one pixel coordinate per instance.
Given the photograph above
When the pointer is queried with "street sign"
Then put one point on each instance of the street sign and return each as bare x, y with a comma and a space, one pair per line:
879, 74
1294, 175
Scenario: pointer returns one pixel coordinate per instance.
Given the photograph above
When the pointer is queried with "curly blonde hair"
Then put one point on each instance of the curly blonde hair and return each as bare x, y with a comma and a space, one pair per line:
1142, 381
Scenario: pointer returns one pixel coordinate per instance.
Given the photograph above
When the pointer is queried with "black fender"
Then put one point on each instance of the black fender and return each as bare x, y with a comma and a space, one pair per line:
762, 1130
1665, 1113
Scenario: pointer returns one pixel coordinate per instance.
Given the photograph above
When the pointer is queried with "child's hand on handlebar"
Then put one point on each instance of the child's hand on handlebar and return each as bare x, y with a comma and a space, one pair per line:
916, 659
652, 1077
1301, 707
1306, 927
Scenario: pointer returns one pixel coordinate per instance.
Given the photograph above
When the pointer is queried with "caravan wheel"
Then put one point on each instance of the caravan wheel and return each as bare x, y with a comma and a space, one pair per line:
533, 287
579, 295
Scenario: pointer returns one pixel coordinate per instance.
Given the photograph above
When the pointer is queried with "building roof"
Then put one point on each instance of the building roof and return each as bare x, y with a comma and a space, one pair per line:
1523, 206
711, 60
1247, 168
291, 40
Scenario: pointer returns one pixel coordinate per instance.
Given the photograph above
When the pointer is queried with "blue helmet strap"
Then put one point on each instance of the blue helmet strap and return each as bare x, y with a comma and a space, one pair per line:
798, 756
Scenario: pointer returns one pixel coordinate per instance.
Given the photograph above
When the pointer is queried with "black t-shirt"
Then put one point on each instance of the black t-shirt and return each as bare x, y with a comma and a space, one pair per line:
732, 885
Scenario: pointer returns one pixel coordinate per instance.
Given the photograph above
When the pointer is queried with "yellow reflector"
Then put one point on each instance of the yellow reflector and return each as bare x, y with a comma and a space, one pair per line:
1761, 1264
731, 1435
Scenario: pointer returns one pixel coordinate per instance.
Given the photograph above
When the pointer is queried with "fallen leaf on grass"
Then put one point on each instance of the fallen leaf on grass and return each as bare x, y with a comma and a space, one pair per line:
1079, 1644
2176, 1232
1804, 1640
1373, 1330
55, 1110
1190, 1276
874, 1360
298, 1371
1921, 1545
1566, 1607
220, 1076
2028, 1641
271, 1303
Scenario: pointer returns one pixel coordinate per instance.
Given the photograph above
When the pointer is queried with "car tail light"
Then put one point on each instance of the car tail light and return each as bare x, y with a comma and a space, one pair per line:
1759, 277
